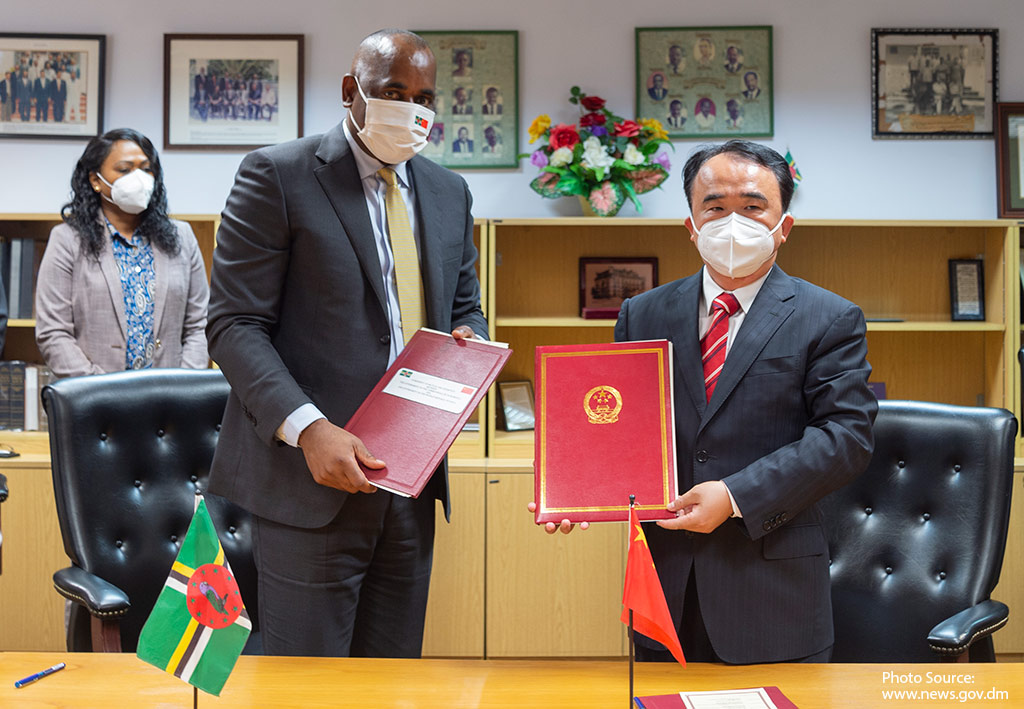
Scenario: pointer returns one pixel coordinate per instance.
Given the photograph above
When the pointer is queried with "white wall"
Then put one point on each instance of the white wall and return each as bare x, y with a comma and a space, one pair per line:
822, 80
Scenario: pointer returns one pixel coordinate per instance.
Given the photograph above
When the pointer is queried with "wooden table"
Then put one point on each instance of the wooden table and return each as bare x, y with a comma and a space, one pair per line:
105, 681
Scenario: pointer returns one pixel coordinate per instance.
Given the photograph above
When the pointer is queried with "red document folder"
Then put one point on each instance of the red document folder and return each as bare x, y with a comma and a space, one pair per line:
604, 431
401, 422
674, 701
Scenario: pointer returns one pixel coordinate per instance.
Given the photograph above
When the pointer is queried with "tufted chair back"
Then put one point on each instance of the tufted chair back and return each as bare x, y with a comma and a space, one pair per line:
128, 452
917, 541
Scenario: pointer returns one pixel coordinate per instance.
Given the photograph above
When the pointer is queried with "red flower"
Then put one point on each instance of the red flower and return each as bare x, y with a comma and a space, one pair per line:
592, 119
563, 136
592, 103
627, 129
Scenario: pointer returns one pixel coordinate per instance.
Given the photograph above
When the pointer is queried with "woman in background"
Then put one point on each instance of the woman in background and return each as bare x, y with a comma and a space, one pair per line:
121, 285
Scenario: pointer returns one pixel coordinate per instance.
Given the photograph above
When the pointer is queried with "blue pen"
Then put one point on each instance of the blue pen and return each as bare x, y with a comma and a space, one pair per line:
39, 675
639, 704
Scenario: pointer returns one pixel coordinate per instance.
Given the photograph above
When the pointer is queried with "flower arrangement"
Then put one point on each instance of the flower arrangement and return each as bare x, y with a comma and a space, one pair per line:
604, 158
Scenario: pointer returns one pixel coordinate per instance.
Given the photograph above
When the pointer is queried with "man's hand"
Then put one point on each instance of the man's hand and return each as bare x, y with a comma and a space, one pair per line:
333, 456
700, 509
550, 527
464, 332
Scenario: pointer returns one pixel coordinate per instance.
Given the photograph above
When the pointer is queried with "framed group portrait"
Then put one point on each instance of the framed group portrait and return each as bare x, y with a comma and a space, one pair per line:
1010, 159
232, 91
933, 83
477, 106
51, 85
706, 82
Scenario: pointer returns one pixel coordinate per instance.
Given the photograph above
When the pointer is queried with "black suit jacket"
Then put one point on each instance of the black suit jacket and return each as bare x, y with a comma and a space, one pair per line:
789, 422
297, 309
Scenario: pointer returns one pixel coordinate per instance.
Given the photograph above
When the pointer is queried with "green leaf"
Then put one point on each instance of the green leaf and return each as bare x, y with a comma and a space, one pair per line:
571, 184
606, 199
547, 185
646, 179
631, 193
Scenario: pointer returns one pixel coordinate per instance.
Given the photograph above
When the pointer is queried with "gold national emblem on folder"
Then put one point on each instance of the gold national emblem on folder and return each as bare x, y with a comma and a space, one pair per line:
602, 404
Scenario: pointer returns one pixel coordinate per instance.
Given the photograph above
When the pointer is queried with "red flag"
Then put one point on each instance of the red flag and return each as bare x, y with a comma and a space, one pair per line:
643, 595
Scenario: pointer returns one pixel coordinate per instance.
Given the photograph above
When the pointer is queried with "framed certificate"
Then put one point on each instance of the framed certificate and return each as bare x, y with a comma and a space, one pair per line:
966, 289
1010, 159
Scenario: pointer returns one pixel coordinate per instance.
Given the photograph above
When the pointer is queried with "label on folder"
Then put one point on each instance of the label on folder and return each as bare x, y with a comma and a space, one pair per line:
429, 390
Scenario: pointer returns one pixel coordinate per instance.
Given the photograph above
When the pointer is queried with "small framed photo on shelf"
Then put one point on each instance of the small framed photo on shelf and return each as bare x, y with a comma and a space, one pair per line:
1010, 159
933, 83
232, 91
476, 121
966, 289
516, 405
606, 282
706, 82
52, 85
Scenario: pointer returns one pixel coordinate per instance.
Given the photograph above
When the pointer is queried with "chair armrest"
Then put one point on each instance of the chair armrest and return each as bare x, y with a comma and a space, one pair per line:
101, 598
956, 634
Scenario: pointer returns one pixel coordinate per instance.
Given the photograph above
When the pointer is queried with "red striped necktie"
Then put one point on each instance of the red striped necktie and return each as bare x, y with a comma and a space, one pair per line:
712, 347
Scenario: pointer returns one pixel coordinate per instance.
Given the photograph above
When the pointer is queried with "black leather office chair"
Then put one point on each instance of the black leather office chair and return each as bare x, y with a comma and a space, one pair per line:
917, 541
128, 452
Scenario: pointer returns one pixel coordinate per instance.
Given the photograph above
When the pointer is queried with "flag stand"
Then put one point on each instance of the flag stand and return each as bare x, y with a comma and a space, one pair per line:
195, 697
632, 502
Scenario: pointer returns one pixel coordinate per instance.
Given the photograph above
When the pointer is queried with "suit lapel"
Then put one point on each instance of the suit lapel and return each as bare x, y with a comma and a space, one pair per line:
770, 309
111, 274
682, 320
340, 181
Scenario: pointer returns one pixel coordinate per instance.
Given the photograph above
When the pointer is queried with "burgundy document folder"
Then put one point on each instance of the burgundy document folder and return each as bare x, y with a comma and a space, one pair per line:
412, 416
604, 430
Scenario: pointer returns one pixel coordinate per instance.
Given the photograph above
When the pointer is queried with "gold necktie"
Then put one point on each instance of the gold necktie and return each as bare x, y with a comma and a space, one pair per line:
407, 263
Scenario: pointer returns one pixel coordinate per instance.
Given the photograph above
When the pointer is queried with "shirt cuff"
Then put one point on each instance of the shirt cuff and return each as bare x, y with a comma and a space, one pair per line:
732, 501
296, 423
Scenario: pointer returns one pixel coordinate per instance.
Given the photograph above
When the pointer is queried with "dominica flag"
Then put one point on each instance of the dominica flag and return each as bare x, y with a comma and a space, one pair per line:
793, 169
199, 625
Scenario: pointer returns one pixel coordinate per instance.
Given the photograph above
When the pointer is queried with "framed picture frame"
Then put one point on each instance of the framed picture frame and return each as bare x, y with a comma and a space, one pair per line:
966, 289
706, 82
516, 405
1010, 159
232, 91
933, 83
606, 282
52, 85
476, 125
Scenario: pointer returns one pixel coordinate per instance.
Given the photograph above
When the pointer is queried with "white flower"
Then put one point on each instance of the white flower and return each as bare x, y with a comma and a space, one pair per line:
595, 156
632, 155
561, 157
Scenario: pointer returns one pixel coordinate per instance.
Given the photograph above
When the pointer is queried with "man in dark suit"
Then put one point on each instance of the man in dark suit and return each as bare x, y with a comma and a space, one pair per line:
785, 421
24, 96
462, 144
6, 97
59, 95
761, 438
306, 314
41, 93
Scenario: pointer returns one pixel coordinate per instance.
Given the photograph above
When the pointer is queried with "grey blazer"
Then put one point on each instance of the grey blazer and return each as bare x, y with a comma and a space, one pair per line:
297, 309
790, 421
80, 316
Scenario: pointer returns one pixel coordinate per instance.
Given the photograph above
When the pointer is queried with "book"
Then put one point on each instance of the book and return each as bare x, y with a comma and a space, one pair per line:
766, 697
605, 430
414, 413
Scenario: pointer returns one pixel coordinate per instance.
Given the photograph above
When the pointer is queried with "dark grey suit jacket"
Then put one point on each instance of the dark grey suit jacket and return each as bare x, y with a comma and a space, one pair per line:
790, 421
297, 309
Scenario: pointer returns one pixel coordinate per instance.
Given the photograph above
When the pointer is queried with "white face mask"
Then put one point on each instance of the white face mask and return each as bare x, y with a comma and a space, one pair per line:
131, 192
394, 131
735, 245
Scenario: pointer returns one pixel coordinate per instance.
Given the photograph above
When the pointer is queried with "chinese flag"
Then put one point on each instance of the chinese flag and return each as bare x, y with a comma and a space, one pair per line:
643, 594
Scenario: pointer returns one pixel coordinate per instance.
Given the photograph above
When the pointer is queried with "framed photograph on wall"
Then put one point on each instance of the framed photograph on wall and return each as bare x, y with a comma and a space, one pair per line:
933, 83
606, 282
706, 82
477, 109
51, 85
516, 405
1010, 159
232, 91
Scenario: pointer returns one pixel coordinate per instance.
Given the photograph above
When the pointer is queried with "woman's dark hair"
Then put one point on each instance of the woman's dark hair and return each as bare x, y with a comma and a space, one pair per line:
82, 213
754, 152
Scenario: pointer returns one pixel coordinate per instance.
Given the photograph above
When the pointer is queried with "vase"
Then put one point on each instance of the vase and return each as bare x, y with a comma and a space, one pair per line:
588, 211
